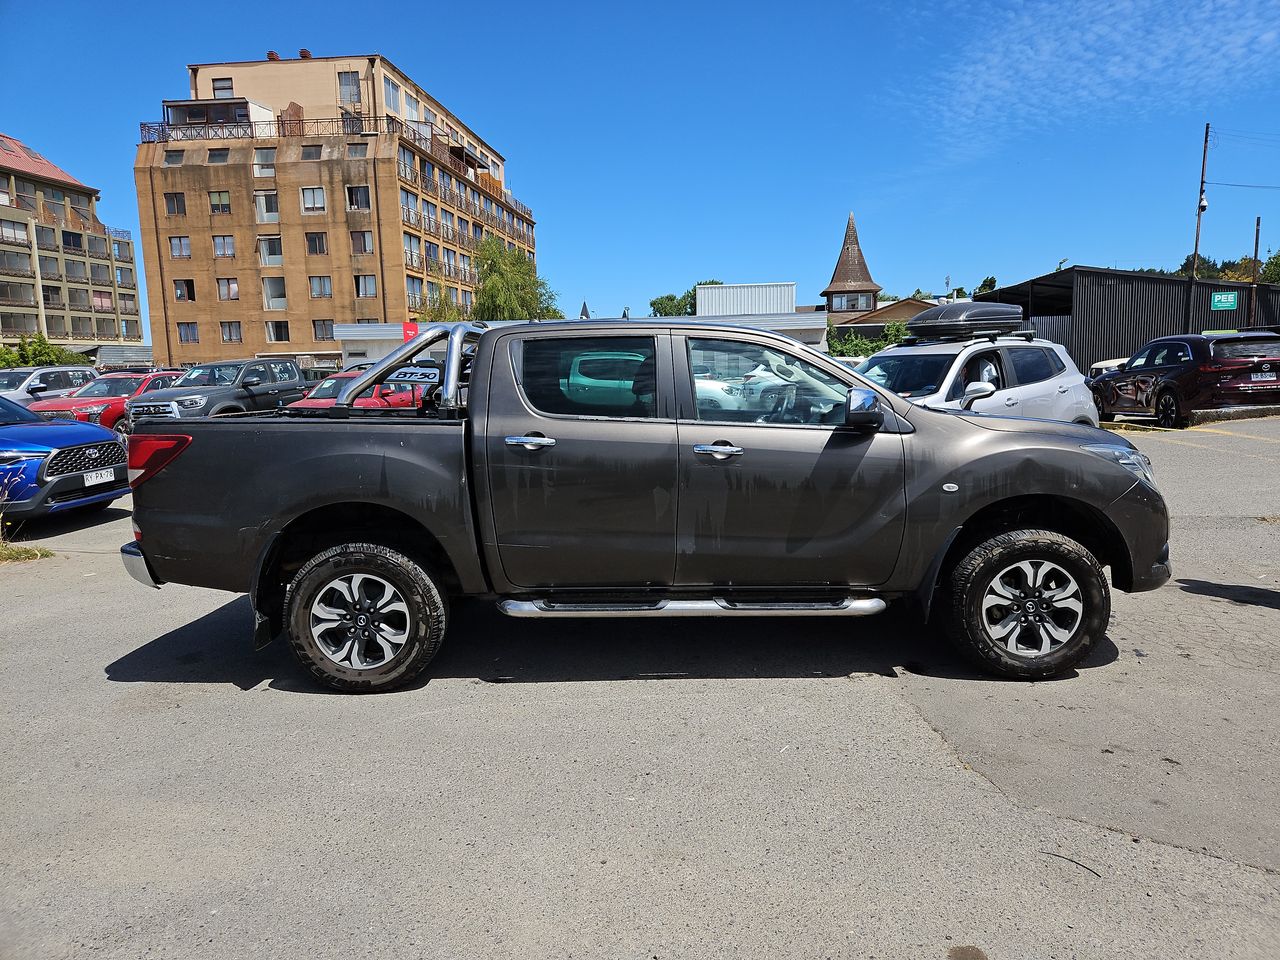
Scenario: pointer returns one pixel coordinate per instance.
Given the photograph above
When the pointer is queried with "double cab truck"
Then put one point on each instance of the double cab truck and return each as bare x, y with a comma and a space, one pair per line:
824, 495
222, 387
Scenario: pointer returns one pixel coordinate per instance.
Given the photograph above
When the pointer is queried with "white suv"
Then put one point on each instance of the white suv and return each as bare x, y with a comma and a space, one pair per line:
953, 355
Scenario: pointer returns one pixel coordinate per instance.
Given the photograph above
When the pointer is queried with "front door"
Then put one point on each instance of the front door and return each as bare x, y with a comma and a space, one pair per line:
581, 460
1128, 383
774, 491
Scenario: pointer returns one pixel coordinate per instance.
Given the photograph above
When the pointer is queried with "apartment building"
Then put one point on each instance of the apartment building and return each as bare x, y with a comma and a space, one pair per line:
63, 273
285, 196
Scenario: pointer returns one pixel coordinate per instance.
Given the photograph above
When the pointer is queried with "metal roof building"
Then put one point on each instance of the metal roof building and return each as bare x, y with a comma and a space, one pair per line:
1101, 314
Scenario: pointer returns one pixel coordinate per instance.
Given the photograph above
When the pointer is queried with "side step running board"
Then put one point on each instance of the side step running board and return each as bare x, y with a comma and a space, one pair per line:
849, 607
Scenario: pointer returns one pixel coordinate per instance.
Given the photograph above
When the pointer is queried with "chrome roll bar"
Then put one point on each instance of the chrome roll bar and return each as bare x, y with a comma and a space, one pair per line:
458, 334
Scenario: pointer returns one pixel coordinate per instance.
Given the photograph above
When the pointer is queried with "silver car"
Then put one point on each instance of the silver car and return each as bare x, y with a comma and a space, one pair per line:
23, 385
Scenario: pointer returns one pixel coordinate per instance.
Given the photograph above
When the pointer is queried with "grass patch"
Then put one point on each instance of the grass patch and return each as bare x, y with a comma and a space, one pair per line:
16, 553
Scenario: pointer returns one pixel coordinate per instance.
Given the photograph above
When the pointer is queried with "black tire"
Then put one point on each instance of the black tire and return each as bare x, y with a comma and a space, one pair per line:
1104, 415
1169, 411
121, 430
425, 622
973, 577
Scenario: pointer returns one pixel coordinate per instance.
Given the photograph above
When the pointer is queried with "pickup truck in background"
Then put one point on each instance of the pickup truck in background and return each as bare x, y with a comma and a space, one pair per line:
819, 494
222, 387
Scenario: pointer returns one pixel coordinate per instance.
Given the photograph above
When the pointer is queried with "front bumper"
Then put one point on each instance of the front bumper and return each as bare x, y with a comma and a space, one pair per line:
1157, 575
1142, 518
67, 492
136, 565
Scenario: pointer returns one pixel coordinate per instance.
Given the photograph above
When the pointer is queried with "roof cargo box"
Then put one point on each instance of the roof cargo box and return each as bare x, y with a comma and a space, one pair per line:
949, 320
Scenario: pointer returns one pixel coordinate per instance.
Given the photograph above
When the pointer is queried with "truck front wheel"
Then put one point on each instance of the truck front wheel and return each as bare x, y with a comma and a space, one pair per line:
1028, 604
363, 617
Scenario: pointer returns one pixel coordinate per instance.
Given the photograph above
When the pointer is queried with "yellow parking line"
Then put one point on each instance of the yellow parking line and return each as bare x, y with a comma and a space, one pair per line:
1229, 433
1203, 446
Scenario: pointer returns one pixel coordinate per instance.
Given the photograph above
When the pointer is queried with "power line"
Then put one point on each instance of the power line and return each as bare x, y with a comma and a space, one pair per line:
1250, 186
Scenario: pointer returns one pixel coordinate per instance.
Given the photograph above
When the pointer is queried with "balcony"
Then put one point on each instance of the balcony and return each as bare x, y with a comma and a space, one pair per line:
50, 274
126, 285
129, 310
100, 281
99, 254
14, 242
414, 260
16, 271
104, 308
54, 304
18, 326
74, 251
18, 302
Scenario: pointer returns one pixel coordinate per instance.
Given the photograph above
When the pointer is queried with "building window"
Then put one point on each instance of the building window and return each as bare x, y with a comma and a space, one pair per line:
410, 106
264, 162
317, 244
184, 290
357, 151
358, 198
348, 86
219, 155
266, 204
270, 251
219, 201
313, 199
366, 285
173, 158
277, 331
322, 329
311, 151
180, 248
466, 299
391, 94
188, 333
273, 295
362, 241
231, 331
321, 288
222, 88
228, 288
14, 231
175, 204
413, 291
76, 271
224, 245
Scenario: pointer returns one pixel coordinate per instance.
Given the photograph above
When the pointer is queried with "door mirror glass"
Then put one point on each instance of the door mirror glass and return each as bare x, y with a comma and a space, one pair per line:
251, 382
862, 410
975, 392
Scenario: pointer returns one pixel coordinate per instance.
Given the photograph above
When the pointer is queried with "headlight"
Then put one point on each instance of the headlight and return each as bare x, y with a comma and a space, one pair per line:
94, 413
731, 391
192, 403
13, 456
1137, 463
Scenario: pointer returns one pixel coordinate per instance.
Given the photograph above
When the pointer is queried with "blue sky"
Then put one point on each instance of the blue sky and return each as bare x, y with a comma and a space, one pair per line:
664, 143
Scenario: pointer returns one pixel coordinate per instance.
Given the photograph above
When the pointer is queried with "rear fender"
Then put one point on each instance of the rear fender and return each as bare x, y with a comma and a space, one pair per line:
266, 595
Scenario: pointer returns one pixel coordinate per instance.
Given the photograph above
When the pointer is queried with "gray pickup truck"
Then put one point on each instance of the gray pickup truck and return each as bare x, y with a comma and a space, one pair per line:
221, 387
643, 469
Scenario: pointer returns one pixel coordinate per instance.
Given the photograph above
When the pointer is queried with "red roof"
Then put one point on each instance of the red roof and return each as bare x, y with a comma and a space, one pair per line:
21, 159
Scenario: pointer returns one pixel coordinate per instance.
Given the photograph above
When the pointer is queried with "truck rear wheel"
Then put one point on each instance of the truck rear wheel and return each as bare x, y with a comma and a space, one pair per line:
363, 617
1028, 604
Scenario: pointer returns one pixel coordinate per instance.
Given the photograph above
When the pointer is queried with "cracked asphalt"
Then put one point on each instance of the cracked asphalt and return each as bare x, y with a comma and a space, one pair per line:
684, 789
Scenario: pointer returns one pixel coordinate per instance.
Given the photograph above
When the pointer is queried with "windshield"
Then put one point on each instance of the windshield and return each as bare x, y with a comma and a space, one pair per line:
11, 413
210, 375
1240, 349
108, 387
12, 379
908, 374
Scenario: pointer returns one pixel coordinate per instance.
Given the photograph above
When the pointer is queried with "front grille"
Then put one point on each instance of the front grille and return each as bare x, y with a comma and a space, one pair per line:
153, 410
90, 456
57, 414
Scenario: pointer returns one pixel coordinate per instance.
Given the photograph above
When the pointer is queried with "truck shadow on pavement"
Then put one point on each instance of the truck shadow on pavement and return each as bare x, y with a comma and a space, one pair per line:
58, 524
1235, 592
484, 645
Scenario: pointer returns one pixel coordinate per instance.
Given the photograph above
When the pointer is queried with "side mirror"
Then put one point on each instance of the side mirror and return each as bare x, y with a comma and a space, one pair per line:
1123, 366
37, 387
251, 381
975, 392
862, 411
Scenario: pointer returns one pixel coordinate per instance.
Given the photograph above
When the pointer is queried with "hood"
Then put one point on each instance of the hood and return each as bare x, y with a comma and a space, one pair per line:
52, 435
73, 403
173, 393
1056, 429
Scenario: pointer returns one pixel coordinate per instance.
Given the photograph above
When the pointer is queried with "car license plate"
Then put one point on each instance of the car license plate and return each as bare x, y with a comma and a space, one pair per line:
1262, 376
99, 476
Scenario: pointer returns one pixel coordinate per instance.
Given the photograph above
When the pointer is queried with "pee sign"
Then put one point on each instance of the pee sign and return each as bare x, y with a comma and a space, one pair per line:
1224, 300
410, 329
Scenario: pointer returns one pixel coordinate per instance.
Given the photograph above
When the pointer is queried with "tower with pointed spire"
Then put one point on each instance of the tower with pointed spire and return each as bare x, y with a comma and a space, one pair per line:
851, 290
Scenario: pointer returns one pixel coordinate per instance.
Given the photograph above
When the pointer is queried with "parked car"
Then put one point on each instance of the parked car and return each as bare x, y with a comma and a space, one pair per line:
22, 385
103, 400
1105, 366
48, 466
969, 356
397, 395
222, 387
353, 530
1171, 376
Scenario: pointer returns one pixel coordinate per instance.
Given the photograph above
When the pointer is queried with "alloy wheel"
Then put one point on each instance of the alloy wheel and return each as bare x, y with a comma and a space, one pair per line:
1032, 608
1167, 411
360, 621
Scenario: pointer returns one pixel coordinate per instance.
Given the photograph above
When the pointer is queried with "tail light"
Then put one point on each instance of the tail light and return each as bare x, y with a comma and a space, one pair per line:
1224, 366
150, 453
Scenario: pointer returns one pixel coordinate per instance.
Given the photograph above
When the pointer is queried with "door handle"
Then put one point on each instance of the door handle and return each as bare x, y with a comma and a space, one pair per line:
1010, 401
1063, 389
720, 451
530, 443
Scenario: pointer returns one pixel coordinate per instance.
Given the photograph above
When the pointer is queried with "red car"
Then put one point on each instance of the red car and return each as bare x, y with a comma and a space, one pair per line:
393, 395
102, 400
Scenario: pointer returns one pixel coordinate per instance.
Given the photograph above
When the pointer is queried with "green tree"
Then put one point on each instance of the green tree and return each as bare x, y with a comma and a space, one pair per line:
986, 286
1208, 268
1241, 270
921, 295
685, 305
883, 297
846, 341
509, 287
1271, 269
36, 351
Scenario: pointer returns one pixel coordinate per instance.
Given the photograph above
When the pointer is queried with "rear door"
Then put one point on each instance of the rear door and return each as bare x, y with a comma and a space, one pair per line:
288, 382
1167, 361
774, 491
582, 484
1037, 384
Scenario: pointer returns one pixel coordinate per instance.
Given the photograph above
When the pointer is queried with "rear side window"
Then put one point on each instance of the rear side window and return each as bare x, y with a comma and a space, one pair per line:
1031, 364
1243, 349
589, 376
284, 371
1167, 354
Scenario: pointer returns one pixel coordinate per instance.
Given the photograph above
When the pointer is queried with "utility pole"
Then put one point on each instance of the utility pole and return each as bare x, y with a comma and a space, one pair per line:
1253, 295
1201, 205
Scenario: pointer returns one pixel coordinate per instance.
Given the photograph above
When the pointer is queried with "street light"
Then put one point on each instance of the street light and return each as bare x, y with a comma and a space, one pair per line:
1061, 262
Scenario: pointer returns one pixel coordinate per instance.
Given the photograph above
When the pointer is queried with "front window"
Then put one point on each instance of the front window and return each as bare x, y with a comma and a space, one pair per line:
749, 383
108, 387
209, 375
589, 376
908, 374
328, 389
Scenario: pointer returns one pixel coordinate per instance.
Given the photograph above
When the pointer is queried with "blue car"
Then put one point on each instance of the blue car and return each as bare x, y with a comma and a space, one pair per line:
47, 466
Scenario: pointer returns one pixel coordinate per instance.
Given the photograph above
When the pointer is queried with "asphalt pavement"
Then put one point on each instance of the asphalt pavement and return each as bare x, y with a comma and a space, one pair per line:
685, 789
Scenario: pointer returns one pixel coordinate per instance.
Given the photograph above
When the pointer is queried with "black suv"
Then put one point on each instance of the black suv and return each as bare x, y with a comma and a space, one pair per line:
224, 386
1172, 376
